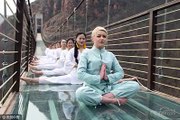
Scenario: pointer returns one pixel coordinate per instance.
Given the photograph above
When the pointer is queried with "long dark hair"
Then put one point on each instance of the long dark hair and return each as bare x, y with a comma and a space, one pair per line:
76, 46
70, 39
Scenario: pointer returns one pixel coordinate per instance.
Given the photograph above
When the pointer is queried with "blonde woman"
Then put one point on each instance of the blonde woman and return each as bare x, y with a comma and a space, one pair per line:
100, 71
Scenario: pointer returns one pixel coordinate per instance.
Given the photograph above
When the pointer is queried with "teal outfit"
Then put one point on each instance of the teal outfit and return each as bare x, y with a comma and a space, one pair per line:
89, 71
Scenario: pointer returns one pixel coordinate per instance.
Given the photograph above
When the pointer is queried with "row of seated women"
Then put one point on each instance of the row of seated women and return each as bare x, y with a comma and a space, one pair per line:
64, 70
52, 54
97, 68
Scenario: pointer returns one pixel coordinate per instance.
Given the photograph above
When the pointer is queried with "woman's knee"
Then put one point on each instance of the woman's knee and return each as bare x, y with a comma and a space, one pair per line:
135, 86
80, 93
87, 96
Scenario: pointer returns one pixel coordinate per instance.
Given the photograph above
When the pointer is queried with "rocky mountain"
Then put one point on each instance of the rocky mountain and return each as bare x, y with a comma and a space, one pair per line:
55, 11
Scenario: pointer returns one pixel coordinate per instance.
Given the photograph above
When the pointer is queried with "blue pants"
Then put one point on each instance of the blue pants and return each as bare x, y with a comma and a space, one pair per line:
92, 96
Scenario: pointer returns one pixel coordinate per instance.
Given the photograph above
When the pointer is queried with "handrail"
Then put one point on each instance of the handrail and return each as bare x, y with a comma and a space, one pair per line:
129, 43
126, 31
144, 57
8, 37
131, 69
8, 52
134, 36
167, 67
2, 85
18, 50
120, 50
132, 23
135, 63
8, 66
7, 93
167, 22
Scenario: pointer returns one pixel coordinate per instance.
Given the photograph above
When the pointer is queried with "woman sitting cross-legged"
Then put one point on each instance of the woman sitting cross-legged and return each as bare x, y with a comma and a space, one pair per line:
70, 65
102, 74
54, 54
56, 69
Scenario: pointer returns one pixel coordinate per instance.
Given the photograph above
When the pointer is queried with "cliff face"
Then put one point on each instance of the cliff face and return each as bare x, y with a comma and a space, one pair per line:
55, 11
48, 8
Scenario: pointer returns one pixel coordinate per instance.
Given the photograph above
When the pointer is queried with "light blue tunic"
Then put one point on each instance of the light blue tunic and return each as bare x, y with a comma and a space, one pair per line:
89, 71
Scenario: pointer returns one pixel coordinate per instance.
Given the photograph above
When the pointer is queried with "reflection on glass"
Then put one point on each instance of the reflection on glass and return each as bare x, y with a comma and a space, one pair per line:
37, 114
68, 109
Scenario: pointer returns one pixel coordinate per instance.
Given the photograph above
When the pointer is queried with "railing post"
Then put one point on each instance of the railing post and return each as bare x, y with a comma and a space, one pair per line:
28, 44
31, 48
150, 83
18, 46
5, 10
86, 16
74, 26
67, 30
108, 13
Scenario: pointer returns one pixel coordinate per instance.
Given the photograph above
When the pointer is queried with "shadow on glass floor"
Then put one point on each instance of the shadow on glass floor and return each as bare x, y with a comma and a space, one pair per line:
57, 102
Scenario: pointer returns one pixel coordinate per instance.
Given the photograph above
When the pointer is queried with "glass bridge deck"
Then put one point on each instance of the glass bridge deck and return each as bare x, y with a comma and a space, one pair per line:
57, 102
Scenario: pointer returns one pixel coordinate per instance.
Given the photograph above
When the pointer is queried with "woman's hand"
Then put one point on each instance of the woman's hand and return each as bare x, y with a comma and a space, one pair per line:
103, 72
75, 66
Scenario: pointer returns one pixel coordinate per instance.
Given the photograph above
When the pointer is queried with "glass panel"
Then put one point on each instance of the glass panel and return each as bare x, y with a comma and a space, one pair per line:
50, 102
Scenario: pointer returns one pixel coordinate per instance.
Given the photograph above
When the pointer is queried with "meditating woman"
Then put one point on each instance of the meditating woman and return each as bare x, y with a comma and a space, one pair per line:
51, 65
50, 55
70, 66
57, 69
101, 72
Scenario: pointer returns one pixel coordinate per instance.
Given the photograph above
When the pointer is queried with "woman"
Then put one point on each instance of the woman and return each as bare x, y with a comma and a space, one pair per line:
56, 53
100, 71
50, 56
57, 69
70, 65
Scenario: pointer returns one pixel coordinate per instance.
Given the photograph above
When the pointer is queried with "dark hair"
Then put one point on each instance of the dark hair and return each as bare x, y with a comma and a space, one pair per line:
76, 47
69, 40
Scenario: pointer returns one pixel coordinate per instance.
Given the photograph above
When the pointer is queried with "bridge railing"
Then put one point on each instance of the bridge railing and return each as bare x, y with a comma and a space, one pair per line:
16, 46
146, 44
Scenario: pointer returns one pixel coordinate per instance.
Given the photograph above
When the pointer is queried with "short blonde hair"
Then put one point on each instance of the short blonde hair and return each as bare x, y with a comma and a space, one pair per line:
98, 28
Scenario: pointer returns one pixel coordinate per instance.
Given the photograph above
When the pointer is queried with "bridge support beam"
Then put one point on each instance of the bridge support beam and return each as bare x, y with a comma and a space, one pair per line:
18, 46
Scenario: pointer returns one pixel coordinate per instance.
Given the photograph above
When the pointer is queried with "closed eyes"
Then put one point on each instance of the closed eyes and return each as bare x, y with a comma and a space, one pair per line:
104, 36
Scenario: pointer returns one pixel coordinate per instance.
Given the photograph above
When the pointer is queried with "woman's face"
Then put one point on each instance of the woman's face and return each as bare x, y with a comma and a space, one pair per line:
58, 45
70, 44
99, 39
81, 39
63, 44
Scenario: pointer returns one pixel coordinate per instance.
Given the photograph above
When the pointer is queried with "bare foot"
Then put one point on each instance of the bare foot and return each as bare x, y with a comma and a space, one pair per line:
121, 101
35, 58
30, 80
34, 63
26, 80
109, 95
32, 66
37, 72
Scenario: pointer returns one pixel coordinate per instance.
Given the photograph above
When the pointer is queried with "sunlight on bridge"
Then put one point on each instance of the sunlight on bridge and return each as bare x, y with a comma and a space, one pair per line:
40, 46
